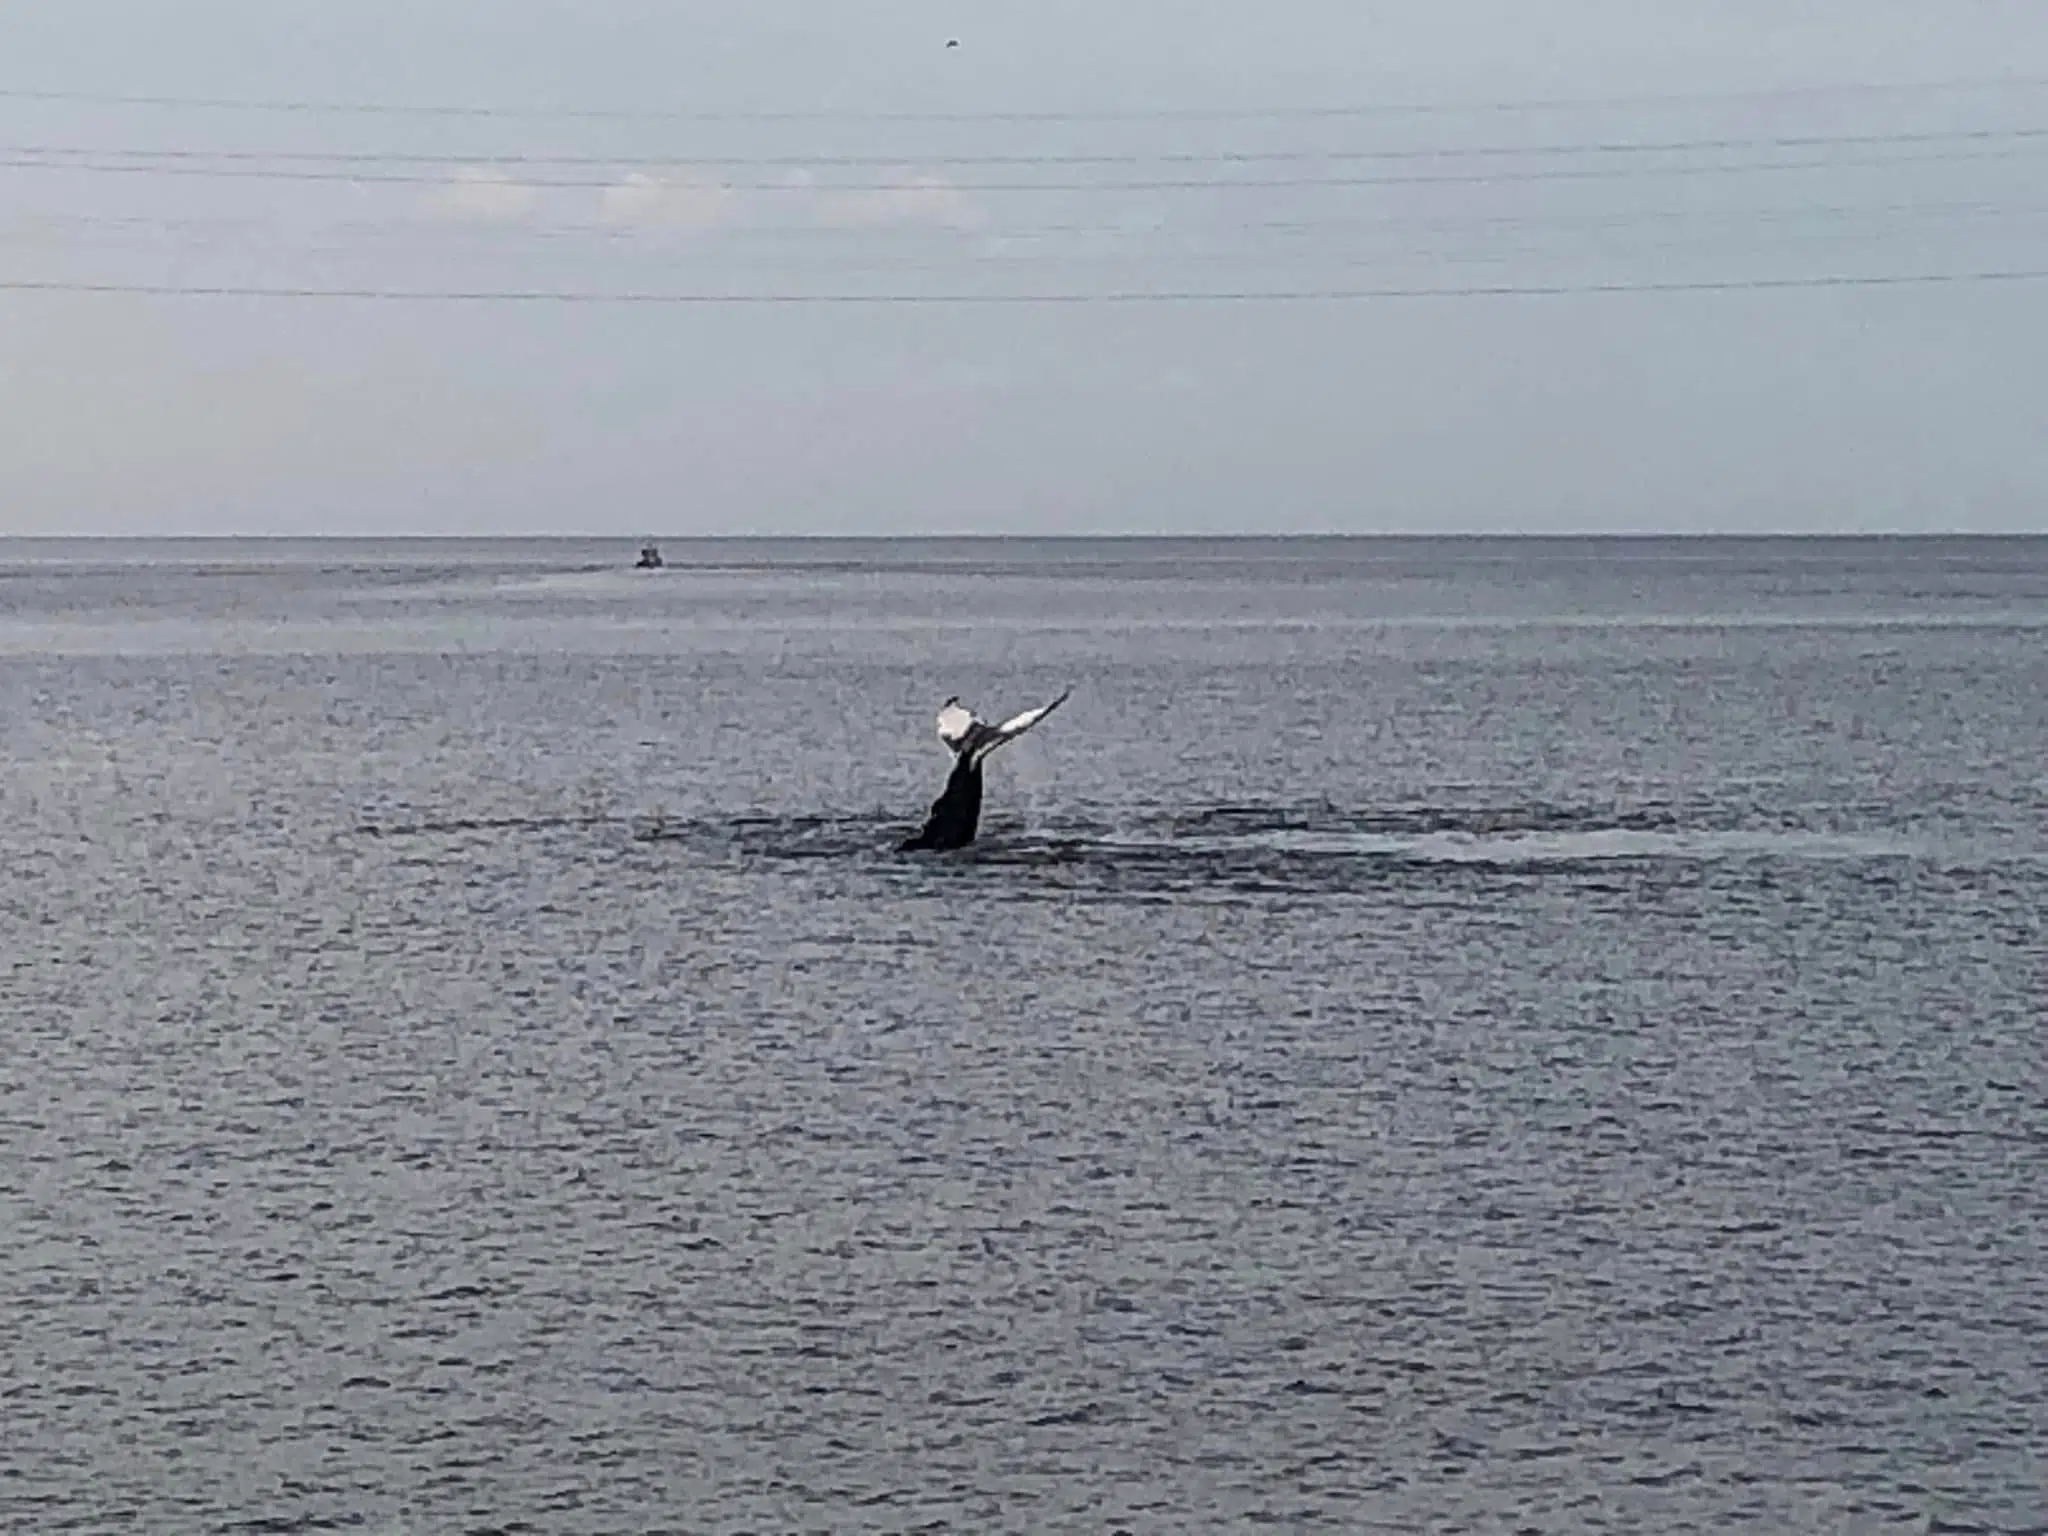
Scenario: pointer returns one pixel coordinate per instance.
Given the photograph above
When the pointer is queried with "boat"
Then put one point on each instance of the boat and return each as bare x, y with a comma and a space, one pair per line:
650, 558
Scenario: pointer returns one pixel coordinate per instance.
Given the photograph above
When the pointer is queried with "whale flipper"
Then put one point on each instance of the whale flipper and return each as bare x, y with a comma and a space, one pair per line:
956, 814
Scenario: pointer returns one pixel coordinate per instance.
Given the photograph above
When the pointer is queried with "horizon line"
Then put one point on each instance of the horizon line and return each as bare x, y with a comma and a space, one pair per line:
1327, 535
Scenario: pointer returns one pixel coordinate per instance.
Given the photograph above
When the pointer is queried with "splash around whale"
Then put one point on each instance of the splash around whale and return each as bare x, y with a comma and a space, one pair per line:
956, 814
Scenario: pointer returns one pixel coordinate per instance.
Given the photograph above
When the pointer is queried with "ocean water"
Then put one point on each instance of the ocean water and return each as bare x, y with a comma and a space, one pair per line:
1465, 1035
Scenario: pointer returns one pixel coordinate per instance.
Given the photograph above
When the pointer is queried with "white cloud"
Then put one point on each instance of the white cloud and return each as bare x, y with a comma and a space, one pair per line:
682, 200
699, 201
914, 199
486, 195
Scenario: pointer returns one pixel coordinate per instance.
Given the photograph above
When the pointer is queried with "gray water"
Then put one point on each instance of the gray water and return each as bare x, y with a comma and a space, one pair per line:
1436, 1036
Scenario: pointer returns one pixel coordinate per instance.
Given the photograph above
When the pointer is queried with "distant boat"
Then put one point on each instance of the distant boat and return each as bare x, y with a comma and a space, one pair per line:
650, 559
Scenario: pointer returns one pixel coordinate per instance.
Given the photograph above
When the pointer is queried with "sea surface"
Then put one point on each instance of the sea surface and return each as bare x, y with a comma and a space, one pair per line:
1462, 1035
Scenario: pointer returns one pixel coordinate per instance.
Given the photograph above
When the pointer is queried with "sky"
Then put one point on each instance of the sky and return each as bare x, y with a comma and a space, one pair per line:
654, 267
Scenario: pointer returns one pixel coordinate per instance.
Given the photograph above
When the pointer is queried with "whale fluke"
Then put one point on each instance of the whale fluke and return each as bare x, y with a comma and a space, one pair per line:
956, 814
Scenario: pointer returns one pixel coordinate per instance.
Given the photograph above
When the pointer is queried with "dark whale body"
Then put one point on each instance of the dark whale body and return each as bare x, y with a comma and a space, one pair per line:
956, 814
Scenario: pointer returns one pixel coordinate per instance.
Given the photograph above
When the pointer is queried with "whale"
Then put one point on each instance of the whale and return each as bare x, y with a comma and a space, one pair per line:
956, 815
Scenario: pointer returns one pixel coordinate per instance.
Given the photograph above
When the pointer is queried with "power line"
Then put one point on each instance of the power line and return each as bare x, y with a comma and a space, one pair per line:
1159, 184
1334, 265
69, 152
1598, 220
1331, 242
1220, 114
1120, 297
1265, 234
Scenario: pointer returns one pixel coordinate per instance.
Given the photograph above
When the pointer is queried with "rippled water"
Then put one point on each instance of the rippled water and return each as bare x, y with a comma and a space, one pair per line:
1435, 1036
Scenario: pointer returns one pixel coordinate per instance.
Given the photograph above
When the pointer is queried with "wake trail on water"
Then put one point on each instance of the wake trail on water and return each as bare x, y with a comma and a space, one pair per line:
1290, 847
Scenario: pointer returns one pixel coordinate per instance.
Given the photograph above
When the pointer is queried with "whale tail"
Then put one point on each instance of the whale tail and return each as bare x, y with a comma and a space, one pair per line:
956, 815
971, 736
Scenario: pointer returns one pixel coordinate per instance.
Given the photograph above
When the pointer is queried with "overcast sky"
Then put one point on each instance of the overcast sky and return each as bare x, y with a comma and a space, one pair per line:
1702, 369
